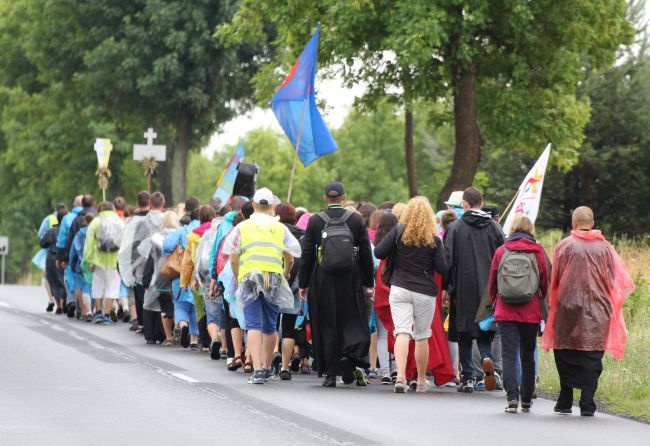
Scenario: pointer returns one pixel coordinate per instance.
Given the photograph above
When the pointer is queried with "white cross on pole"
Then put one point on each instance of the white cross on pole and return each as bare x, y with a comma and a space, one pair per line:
150, 135
149, 150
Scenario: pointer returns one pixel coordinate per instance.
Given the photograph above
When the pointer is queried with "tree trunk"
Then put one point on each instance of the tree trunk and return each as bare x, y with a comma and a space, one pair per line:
468, 136
179, 158
408, 148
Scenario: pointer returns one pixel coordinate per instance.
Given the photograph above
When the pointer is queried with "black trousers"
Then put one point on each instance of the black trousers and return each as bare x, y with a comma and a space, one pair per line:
578, 369
522, 337
230, 324
138, 293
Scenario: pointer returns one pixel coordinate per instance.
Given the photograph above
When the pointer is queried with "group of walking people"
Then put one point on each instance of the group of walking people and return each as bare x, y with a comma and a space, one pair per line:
394, 294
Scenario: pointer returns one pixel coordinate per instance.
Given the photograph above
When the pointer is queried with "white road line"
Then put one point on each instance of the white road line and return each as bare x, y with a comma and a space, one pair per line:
184, 377
76, 336
5, 304
57, 327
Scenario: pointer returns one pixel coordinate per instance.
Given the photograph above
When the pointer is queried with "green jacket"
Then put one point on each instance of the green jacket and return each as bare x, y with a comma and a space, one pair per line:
92, 254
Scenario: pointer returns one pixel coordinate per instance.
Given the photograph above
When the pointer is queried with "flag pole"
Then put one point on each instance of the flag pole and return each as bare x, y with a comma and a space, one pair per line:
509, 205
295, 156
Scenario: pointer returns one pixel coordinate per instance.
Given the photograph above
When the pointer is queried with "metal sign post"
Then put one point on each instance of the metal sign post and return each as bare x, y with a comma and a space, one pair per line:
4, 251
149, 154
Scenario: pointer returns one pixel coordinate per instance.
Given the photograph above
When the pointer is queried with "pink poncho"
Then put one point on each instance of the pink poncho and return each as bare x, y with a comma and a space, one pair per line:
589, 285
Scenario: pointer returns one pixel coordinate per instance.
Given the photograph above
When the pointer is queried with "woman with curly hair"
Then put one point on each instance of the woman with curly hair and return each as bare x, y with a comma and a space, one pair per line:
417, 252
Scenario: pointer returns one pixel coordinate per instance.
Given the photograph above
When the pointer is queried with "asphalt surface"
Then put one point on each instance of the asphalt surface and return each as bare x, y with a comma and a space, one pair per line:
64, 382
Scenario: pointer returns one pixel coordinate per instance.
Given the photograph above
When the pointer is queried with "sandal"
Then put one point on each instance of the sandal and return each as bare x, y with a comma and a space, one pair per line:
400, 385
248, 367
421, 386
167, 343
236, 364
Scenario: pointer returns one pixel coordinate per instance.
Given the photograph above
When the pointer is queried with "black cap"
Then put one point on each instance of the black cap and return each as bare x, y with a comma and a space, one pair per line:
334, 189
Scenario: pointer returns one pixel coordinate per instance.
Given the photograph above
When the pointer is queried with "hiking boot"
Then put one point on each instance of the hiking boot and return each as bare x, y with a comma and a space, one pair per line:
258, 377
512, 406
490, 380
466, 386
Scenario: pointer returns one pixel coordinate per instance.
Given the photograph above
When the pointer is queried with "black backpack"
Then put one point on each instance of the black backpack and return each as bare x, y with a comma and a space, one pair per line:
337, 251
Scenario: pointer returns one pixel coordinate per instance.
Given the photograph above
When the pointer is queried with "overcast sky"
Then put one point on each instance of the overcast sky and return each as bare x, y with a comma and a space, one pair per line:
339, 101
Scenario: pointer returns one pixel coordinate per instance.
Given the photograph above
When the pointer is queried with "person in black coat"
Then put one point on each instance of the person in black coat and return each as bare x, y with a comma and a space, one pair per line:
470, 243
340, 330
54, 274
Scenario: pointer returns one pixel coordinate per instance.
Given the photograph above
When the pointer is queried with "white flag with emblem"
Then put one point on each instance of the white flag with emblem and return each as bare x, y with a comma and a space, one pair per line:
530, 192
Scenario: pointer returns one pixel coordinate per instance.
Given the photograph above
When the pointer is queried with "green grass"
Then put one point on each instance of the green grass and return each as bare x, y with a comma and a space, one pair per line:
624, 385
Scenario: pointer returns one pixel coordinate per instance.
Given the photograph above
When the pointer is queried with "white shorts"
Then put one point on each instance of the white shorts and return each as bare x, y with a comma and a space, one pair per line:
106, 283
412, 312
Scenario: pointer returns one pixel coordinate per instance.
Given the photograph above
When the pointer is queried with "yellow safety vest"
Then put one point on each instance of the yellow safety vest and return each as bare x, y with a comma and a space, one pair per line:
53, 221
261, 249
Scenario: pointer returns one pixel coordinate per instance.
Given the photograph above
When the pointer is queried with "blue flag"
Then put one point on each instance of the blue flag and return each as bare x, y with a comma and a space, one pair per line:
295, 103
226, 183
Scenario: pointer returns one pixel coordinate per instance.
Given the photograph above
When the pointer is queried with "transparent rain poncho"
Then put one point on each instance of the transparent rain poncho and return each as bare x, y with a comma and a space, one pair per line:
264, 285
152, 247
136, 230
588, 288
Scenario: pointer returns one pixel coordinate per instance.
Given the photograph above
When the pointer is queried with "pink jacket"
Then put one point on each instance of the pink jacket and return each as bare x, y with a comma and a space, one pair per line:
529, 312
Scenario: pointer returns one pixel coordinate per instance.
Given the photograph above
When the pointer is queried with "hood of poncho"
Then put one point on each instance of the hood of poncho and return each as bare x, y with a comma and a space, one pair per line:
478, 219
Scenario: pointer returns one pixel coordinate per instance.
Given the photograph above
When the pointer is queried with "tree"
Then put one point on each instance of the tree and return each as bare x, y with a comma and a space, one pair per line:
508, 70
150, 63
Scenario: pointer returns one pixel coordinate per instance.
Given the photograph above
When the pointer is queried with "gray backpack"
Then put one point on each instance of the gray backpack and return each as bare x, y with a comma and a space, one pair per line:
518, 277
109, 237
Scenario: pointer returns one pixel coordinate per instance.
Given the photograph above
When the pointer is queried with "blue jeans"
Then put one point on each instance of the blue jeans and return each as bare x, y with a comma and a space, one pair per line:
261, 315
465, 342
214, 312
185, 311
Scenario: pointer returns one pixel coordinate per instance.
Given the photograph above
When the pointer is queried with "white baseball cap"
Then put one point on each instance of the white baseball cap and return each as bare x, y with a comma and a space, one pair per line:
263, 196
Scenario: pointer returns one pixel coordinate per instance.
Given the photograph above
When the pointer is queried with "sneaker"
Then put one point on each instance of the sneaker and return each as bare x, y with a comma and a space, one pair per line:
372, 374
108, 320
70, 308
413, 385
490, 380
422, 387
58, 311
400, 386
120, 312
360, 377
276, 362
466, 386
479, 386
295, 363
499, 381
562, 411
587, 413
269, 374
305, 370
89, 317
258, 377
285, 375
126, 317
393, 377
525, 407
185, 336
451, 383
134, 325
50, 307
98, 319
223, 354
113, 316
140, 329
215, 349
512, 406
385, 380
347, 371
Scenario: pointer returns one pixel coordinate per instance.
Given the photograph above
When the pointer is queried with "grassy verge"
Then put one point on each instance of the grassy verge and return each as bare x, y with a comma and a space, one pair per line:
624, 385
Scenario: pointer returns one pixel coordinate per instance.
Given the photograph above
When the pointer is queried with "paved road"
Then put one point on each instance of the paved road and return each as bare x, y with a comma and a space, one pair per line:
64, 382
